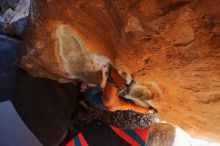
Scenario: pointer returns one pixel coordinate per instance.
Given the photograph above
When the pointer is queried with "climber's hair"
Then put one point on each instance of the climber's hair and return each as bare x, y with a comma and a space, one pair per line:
80, 95
78, 86
82, 86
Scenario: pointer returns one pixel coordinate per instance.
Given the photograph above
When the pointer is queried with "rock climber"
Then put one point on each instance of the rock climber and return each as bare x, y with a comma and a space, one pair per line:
105, 96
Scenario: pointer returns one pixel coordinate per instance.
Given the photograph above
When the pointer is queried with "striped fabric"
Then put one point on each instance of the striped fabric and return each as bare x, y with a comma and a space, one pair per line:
133, 137
78, 140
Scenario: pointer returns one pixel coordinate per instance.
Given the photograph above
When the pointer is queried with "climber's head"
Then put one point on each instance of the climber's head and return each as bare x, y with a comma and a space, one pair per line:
83, 87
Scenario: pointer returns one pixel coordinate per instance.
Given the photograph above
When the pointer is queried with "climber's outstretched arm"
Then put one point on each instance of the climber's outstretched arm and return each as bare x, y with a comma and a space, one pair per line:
104, 76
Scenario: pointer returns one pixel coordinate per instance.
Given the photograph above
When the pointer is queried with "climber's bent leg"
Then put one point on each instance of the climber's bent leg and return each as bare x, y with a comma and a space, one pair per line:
113, 103
116, 78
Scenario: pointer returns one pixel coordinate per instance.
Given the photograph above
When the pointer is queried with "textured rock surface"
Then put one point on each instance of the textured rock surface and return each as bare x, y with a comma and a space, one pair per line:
14, 17
161, 134
170, 46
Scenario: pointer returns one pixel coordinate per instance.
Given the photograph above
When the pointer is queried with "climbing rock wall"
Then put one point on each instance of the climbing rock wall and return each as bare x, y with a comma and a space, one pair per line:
161, 134
170, 46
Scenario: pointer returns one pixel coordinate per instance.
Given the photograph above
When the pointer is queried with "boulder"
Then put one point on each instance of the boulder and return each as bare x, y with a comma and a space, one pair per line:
171, 47
161, 134
14, 17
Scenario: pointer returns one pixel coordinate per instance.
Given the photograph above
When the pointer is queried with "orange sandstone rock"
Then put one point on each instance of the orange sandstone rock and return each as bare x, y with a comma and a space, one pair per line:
171, 46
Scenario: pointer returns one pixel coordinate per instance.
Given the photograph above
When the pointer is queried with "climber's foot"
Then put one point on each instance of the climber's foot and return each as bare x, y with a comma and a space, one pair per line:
128, 88
153, 111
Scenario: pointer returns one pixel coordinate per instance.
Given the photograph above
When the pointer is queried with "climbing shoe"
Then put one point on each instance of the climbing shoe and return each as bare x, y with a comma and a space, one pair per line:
153, 111
129, 87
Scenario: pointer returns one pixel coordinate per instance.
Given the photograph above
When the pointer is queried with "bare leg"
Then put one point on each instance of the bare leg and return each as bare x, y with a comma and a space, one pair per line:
116, 78
114, 103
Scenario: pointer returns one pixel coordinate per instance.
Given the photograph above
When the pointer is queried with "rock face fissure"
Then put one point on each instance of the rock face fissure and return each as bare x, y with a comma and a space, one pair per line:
170, 47
74, 57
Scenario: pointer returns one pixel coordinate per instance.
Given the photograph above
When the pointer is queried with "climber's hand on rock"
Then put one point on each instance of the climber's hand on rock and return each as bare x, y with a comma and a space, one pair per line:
105, 68
104, 76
